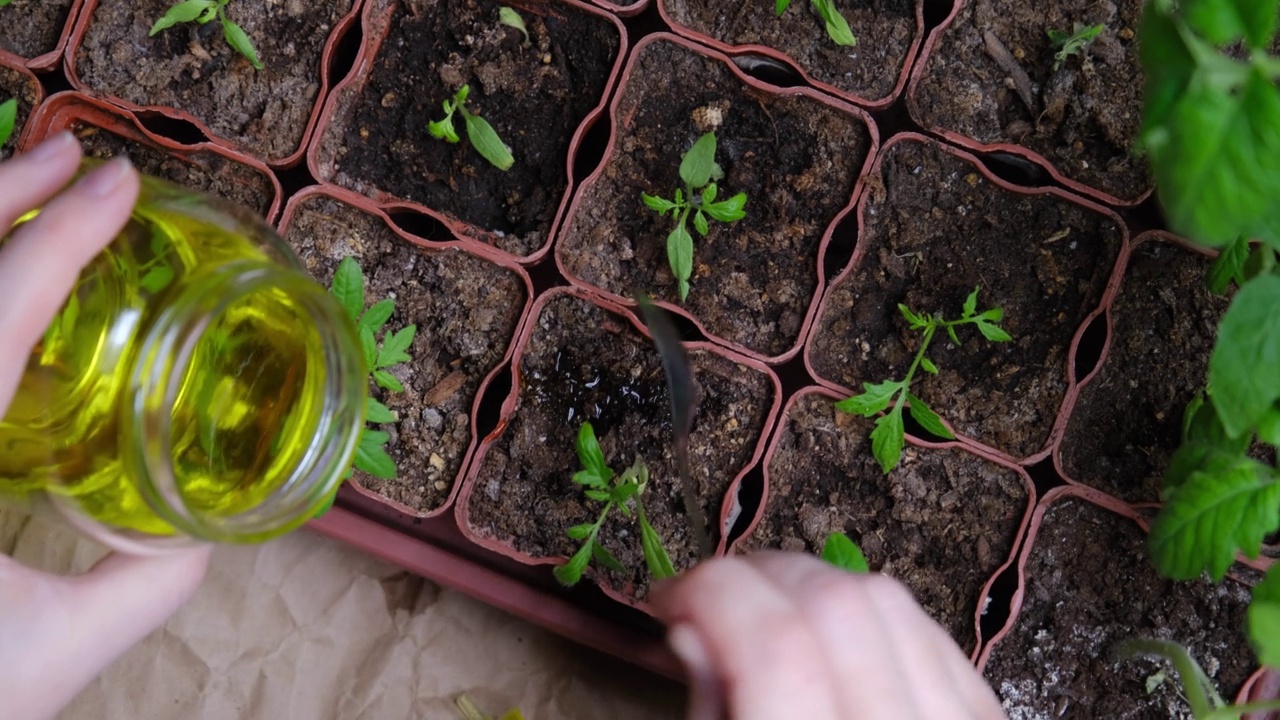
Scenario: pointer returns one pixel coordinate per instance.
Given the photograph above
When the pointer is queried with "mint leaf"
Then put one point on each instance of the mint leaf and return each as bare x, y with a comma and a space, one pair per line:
590, 455
1228, 267
571, 572
927, 418
655, 554
844, 553
1242, 369
887, 439
348, 287
874, 398
697, 164
1264, 618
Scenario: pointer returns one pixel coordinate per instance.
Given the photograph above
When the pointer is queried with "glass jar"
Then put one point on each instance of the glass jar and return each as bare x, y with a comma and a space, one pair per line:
196, 386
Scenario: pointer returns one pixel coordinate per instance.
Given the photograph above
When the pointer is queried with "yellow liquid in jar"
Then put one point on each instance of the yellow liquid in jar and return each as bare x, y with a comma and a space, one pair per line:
245, 410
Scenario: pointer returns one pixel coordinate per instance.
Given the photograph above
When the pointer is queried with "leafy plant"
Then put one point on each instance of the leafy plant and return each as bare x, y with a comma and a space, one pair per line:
700, 172
1073, 43
888, 436
616, 492
379, 357
844, 553
8, 118
511, 18
204, 12
1209, 131
1203, 698
837, 28
481, 134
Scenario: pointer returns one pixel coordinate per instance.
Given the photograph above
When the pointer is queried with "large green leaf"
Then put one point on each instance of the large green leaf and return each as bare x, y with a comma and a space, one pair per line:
1264, 618
1244, 370
874, 398
1224, 21
591, 457
887, 439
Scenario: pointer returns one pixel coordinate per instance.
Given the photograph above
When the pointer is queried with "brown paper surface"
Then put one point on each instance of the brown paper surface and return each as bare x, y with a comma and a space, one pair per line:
305, 627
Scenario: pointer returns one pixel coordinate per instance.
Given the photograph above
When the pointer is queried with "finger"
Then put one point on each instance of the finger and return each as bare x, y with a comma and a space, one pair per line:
42, 259
748, 641
28, 180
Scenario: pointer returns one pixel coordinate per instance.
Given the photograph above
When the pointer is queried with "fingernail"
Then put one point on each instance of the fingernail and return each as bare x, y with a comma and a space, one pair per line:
52, 146
705, 702
104, 180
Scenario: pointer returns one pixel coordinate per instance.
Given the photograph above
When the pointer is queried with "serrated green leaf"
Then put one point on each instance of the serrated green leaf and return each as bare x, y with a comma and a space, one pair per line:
378, 315
680, 255
369, 346
511, 18
1264, 618
994, 333
873, 399
180, 13
376, 412
970, 304
655, 553
8, 119
590, 454
580, 532
696, 165
372, 457
348, 287
590, 479
837, 28
443, 129
604, 557
887, 439
1228, 267
571, 572
387, 381
624, 491
600, 495
927, 365
394, 347
915, 321
1242, 368
239, 40
661, 205
1211, 516
700, 223
1057, 37
730, 210
486, 141
1222, 22
844, 553
780, 6
927, 418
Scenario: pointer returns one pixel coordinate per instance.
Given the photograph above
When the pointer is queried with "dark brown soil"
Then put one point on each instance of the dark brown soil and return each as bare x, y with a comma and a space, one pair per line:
1089, 586
192, 68
1085, 115
15, 84
1128, 420
202, 170
466, 310
870, 69
535, 96
942, 522
935, 228
795, 158
585, 364
33, 27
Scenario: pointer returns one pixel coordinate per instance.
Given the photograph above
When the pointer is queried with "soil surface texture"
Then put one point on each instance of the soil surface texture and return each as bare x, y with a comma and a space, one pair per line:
1090, 585
869, 70
192, 68
934, 228
14, 84
466, 310
992, 77
534, 94
201, 170
796, 159
942, 522
1127, 422
33, 27
583, 364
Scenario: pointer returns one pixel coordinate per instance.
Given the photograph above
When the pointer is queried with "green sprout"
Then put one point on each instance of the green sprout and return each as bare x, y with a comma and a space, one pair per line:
1073, 43
888, 436
837, 28
700, 173
511, 18
203, 12
4, 2
8, 117
1198, 690
615, 491
379, 357
481, 134
844, 553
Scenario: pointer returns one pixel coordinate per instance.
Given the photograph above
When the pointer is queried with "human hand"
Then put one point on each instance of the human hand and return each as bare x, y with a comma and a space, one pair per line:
781, 635
58, 633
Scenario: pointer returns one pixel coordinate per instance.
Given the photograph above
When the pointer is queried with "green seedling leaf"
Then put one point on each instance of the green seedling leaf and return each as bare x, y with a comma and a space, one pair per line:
511, 18
486, 141
837, 28
443, 129
1222, 22
1074, 43
730, 210
660, 205
1269, 427
590, 455
995, 315
700, 223
604, 557
600, 495
927, 418
1213, 514
1264, 618
655, 554
590, 479
680, 255
571, 572
1228, 267
970, 304
927, 365
874, 398
393, 347
1242, 369
4, 2
369, 346
580, 532
8, 119
994, 333
387, 381
348, 287
951, 331
887, 439
709, 194
372, 457
157, 278
697, 164
239, 40
780, 6
844, 553
376, 412
916, 322
376, 316
182, 12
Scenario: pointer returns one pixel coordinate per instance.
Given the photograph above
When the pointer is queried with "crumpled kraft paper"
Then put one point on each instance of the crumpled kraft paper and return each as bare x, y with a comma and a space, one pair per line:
305, 627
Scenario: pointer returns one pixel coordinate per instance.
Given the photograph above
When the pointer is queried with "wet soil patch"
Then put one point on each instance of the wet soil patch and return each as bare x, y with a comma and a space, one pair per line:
1082, 117
14, 84
1090, 585
585, 364
201, 170
192, 68
934, 228
33, 27
535, 95
870, 69
796, 159
942, 522
466, 310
